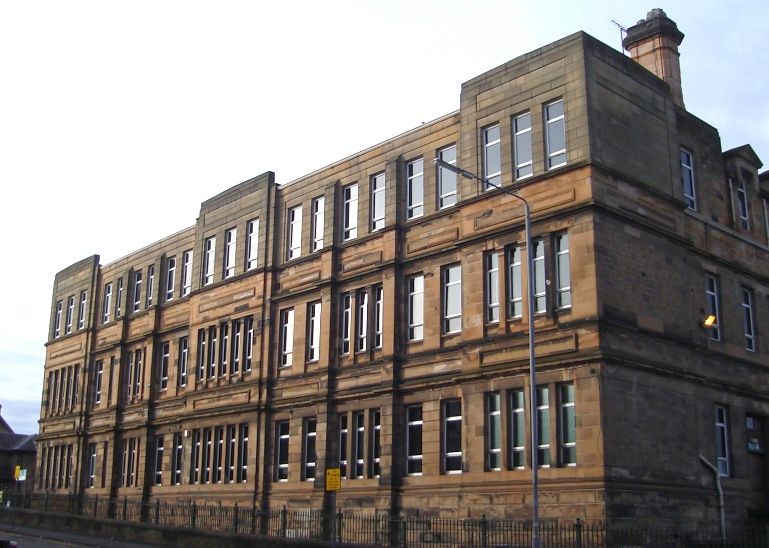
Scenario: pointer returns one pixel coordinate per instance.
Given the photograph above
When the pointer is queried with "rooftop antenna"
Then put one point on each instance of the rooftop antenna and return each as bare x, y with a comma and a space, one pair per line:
622, 33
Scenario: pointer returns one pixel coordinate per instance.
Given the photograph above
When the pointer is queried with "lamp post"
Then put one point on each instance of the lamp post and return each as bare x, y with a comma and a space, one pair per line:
532, 362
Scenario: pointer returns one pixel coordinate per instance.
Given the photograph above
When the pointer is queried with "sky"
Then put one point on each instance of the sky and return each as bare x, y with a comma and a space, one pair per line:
117, 119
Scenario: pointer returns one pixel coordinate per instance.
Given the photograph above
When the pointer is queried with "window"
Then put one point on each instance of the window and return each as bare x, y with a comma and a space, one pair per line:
414, 440
742, 201
415, 189
375, 450
195, 457
252, 243
98, 375
248, 342
722, 441
562, 272
201, 363
218, 453
687, 179
346, 322
447, 179
754, 431
452, 299
286, 337
350, 226
70, 314
713, 295
230, 243
150, 284
540, 284
159, 460
82, 310
543, 427
517, 429
492, 287
318, 222
749, 325
514, 283
493, 432
137, 290
378, 315
107, 304
555, 134
207, 446
212, 355
309, 457
358, 444
165, 352
91, 465
313, 331
243, 452
170, 276
224, 348
416, 285
361, 321
176, 460
343, 446
187, 273
119, 299
452, 437
294, 236
492, 159
522, 145
208, 260
235, 358
377, 202
567, 427
229, 457
183, 357
281, 451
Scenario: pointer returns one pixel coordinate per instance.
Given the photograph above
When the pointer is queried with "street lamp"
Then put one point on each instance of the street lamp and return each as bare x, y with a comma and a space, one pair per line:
532, 362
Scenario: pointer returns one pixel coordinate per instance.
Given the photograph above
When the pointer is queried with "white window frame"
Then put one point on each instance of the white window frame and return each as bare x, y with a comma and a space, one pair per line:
361, 320
412, 425
346, 320
723, 456
137, 291
98, 379
517, 428
91, 465
170, 278
416, 307
107, 304
209, 260
358, 445
286, 337
281, 454
742, 203
165, 358
415, 201
350, 212
687, 179
514, 283
447, 197
378, 315
343, 445
544, 457
294, 233
313, 331
562, 271
540, 275
493, 431
521, 141
150, 285
252, 244
567, 413
318, 223
159, 460
309, 461
749, 318
70, 314
452, 298
375, 443
713, 301
82, 309
378, 201
491, 287
492, 149
449, 421
187, 272
243, 452
119, 299
230, 247
551, 124
184, 355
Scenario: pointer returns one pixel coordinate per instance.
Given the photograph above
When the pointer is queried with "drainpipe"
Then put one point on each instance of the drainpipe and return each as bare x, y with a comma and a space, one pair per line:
720, 491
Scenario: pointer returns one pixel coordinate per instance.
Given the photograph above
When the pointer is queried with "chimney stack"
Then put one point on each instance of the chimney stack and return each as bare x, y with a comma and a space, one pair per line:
653, 43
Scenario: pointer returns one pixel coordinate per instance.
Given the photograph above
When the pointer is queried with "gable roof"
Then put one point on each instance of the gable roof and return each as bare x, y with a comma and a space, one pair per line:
18, 442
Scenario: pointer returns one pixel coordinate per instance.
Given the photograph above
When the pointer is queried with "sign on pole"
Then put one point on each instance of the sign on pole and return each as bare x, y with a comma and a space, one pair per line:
16, 473
333, 479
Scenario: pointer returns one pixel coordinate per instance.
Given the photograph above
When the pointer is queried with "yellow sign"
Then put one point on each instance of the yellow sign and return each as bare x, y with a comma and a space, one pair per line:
333, 479
17, 473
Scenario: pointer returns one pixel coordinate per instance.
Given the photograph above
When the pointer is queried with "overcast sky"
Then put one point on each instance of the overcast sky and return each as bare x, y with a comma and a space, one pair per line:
117, 119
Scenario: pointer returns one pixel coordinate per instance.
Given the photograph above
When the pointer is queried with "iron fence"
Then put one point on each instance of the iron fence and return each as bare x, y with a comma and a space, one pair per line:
400, 531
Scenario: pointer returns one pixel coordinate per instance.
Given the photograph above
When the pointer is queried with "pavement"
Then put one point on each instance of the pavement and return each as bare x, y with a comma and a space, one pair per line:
28, 537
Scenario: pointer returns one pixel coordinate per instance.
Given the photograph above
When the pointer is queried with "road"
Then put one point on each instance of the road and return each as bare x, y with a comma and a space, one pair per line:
27, 537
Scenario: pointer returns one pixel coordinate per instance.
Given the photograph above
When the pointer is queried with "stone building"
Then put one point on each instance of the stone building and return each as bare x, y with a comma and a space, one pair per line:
372, 316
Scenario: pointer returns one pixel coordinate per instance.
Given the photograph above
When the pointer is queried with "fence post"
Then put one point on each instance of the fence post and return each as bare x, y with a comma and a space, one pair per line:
339, 525
194, 513
283, 521
578, 534
235, 519
95, 504
484, 531
157, 510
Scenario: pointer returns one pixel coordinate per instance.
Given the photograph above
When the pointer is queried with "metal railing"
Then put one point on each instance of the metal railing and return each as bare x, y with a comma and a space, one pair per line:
385, 530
